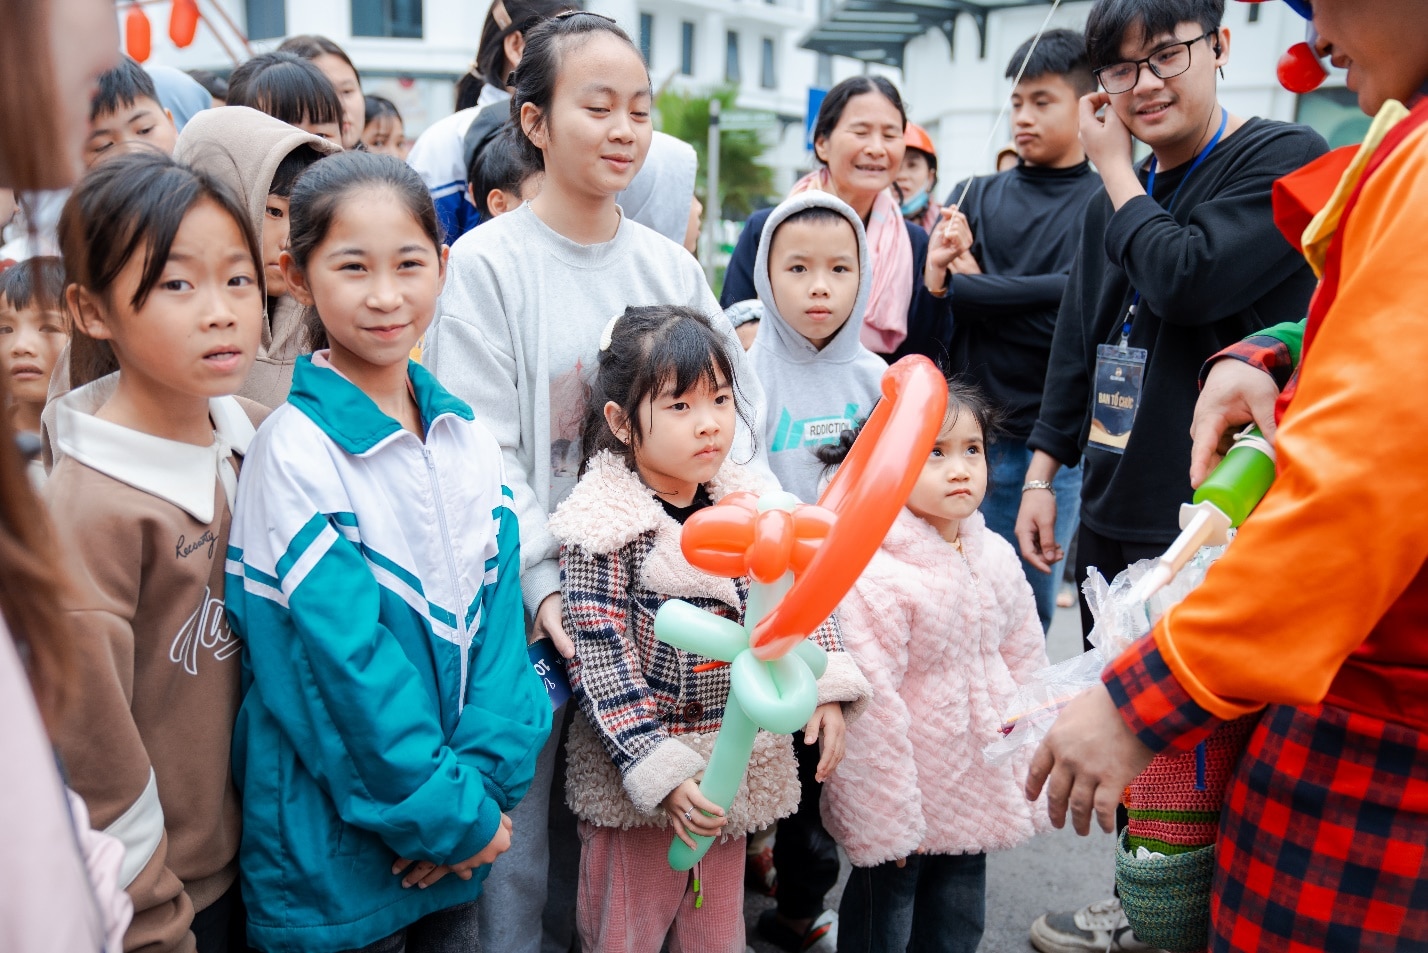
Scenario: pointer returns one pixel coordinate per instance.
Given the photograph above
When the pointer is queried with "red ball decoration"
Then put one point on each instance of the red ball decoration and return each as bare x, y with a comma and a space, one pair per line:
138, 37
183, 22
1300, 70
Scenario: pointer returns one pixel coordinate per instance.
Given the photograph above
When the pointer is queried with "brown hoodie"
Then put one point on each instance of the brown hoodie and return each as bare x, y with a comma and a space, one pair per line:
243, 147
143, 523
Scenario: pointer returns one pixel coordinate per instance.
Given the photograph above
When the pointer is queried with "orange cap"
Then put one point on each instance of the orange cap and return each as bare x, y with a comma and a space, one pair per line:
917, 138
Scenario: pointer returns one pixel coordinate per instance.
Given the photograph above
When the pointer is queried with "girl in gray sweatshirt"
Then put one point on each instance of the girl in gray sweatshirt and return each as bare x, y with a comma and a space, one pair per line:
518, 330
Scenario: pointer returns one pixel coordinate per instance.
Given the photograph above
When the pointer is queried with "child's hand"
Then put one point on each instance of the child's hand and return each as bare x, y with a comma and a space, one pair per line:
691, 812
827, 726
424, 873
547, 624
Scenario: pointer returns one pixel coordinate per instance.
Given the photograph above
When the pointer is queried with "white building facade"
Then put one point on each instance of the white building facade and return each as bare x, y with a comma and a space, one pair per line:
412, 51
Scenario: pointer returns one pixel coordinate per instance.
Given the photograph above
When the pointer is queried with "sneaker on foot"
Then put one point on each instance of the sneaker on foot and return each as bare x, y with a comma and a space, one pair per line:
1100, 927
775, 931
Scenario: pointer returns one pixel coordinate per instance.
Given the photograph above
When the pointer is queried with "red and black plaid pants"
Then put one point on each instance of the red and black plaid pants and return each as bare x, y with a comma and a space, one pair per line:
1323, 838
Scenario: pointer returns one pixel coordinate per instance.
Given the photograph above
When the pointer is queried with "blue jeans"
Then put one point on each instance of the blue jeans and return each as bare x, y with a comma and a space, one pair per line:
936, 904
1007, 460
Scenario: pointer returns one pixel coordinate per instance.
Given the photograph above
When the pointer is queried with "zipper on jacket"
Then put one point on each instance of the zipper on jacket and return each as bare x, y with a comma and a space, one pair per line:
458, 610
976, 589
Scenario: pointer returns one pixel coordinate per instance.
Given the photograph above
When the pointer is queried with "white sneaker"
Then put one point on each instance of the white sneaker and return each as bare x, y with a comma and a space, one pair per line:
1099, 927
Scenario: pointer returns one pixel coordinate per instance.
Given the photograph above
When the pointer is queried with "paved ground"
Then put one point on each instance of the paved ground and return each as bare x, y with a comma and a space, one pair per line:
1057, 871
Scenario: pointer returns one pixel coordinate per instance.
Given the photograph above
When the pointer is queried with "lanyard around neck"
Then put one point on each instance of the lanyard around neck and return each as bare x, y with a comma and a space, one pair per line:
1170, 206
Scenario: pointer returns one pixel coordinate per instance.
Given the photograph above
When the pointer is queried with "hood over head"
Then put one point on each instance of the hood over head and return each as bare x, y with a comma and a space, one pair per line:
662, 190
846, 343
244, 148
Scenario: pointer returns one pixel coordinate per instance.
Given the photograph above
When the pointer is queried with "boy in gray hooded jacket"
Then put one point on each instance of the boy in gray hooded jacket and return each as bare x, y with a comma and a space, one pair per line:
813, 276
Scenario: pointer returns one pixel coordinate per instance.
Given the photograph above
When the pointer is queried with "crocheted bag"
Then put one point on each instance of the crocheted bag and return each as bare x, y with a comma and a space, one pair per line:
1174, 810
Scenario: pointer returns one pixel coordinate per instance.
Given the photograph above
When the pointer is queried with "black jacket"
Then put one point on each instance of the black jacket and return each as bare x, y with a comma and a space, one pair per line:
929, 319
1026, 223
1215, 271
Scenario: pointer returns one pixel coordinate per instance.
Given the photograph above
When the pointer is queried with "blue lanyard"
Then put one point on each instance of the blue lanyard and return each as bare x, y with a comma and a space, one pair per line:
1170, 206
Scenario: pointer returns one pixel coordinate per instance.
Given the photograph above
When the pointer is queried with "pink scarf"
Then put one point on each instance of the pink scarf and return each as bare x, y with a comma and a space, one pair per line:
885, 321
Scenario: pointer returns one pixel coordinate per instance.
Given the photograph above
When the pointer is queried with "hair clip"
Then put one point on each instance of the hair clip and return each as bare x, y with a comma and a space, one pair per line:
609, 332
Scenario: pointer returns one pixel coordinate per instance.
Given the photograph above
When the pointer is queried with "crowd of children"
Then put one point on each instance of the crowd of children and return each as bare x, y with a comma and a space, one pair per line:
344, 479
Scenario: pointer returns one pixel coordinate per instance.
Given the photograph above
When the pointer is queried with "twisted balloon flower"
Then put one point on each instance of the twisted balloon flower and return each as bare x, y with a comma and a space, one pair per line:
801, 559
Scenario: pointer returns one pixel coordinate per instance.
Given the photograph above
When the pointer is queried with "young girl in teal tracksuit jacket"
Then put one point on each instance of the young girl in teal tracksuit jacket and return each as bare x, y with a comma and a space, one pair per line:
391, 717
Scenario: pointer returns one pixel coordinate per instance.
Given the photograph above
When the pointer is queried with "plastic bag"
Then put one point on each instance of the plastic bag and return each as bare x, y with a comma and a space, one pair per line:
1119, 622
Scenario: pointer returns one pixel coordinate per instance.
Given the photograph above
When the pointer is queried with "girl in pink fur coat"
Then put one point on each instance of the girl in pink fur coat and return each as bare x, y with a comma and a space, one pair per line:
944, 626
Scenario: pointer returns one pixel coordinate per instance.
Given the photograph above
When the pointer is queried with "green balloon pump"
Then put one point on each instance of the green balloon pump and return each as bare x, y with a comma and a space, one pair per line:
1223, 502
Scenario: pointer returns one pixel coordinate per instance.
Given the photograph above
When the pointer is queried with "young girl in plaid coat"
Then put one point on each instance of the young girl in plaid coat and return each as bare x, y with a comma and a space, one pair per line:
657, 432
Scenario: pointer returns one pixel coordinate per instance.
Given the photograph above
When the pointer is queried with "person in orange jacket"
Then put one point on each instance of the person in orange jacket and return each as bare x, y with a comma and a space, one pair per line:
1317, 615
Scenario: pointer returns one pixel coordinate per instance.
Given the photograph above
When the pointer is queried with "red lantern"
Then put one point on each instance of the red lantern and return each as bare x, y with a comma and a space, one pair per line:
183, 22
138, 37
1300, 70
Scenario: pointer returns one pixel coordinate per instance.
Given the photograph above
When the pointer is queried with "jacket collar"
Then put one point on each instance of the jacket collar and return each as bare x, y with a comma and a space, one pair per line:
911, 533
351, 419
611, 505
179, 473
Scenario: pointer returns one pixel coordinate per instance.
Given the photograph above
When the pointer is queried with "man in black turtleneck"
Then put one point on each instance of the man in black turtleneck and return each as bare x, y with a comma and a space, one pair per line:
1026, 226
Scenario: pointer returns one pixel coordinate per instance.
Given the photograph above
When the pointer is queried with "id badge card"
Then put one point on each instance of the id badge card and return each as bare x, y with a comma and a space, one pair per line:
1120, 373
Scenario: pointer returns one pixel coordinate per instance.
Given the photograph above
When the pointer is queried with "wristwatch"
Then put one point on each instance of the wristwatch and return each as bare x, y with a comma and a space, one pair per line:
1039, 485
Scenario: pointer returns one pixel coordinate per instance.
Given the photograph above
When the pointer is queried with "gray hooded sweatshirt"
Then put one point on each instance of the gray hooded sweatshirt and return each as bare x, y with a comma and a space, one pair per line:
812, 396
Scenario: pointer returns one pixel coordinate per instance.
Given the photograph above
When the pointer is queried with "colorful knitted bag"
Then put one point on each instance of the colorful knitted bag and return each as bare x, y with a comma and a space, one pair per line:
1174, 810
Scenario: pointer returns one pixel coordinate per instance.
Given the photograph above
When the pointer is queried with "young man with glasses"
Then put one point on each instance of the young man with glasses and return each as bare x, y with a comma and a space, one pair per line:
1179, 258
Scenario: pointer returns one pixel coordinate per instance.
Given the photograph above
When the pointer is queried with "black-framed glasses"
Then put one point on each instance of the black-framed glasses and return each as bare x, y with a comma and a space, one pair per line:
1170, 60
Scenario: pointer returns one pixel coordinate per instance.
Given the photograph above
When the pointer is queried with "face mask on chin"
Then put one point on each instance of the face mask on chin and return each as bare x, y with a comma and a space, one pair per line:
915, 205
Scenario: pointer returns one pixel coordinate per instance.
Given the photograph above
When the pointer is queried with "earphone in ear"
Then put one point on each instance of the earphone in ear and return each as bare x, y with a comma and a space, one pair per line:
1218, 48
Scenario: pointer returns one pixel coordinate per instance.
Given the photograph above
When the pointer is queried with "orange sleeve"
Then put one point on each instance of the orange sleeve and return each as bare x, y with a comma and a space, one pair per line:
1344, 529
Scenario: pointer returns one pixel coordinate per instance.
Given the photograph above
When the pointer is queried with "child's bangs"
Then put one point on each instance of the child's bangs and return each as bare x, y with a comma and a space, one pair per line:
686, 357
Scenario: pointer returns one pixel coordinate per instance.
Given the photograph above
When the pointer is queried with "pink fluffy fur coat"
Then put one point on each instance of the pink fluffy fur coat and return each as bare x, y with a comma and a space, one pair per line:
945, 638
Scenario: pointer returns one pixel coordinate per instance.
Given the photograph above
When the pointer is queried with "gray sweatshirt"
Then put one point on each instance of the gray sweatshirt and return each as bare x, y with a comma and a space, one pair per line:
518, 333
812, 396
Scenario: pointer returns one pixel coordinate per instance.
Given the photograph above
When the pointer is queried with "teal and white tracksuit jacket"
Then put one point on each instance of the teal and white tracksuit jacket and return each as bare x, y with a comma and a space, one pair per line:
390, 709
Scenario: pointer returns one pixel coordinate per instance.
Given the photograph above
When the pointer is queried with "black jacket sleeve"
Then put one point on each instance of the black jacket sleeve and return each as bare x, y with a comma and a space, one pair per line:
984, 297
1067, 393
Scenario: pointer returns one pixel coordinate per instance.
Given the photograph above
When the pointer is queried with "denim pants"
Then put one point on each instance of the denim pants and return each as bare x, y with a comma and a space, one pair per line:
452, 930
935, 904
1007, 460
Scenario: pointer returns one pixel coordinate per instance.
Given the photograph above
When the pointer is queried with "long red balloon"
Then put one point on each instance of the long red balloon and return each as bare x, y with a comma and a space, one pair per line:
866, 494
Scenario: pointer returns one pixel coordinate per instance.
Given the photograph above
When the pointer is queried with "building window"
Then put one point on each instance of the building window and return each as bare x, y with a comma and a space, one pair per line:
731, 57
768, 76
267, 19
391, 18
825, 71
686, 48
646, 36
